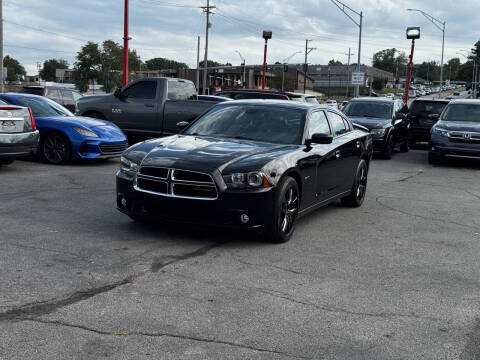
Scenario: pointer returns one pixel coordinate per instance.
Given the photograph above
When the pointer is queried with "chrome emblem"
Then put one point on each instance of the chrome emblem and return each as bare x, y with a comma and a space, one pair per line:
467, 136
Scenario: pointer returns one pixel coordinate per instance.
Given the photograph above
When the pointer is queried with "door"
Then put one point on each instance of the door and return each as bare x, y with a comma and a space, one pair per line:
137, 110
314, 176
400, 122
180, 105
341, 167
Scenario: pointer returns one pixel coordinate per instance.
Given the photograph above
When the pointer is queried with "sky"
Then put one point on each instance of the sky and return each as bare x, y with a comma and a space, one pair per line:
38, 30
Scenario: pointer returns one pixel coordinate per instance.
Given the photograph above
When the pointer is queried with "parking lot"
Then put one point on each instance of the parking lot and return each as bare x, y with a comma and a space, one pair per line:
397, 278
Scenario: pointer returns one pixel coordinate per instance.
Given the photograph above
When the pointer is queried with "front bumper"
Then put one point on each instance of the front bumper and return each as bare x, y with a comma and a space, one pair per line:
94, 149
379, 144
441, 146
13, 145
226, 210
420, 133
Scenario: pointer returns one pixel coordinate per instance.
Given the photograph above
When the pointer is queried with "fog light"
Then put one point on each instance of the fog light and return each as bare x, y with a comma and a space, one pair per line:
123, 202
244, 218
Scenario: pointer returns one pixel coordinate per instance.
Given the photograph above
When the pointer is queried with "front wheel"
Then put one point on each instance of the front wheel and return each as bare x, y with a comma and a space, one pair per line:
56, 148
285, 212
359, 188
389, 147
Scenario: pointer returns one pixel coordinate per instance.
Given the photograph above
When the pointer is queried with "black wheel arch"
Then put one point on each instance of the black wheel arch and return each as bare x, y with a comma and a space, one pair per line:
293, 173
92, 113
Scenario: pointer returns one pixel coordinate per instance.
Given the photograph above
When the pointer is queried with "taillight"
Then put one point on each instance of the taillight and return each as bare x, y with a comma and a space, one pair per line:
32, 120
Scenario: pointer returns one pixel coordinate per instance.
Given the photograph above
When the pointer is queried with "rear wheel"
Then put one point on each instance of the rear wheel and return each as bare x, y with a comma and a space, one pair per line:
56, 148
285, 212
389, 147
6, 161
359, 188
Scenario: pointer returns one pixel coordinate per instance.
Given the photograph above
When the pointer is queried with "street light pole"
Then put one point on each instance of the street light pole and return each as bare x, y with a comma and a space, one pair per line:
348, 11
437, 24
267, 34
207, 11
1, 46
126, 38
348, 70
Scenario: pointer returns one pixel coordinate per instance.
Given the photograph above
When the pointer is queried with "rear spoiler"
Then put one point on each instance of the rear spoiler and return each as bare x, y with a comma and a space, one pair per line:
360, 127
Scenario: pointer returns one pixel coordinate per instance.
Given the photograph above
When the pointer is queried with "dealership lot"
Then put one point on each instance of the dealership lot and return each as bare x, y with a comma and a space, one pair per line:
397, 278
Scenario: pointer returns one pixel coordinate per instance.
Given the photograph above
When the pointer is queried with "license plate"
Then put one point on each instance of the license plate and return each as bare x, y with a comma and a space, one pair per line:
11, 126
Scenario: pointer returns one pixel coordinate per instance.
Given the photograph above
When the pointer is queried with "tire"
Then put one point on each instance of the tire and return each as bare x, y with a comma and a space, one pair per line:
405, 147
359, 188
56, 149
6, 161
434, 159
389, 147
139, 218
285, 212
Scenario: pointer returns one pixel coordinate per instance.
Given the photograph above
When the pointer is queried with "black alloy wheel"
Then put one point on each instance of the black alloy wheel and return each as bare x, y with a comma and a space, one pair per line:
359, 188
285, 212
56, 148
389, 148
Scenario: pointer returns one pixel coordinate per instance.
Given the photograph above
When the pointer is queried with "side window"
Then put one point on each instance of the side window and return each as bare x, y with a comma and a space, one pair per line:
142, 90
348, 126
67, 95
337, 124
54, 94
181, 90
318, 124
76, 95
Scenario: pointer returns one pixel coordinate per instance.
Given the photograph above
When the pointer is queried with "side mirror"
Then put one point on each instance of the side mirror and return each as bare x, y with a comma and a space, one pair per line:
182, 124
321, 139
118, 93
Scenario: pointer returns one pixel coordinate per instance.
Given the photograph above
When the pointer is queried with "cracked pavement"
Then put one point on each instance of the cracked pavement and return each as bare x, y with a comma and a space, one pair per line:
396, 279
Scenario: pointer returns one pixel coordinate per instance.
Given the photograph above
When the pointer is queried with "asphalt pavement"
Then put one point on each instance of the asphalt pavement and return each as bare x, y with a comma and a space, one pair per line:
397, 278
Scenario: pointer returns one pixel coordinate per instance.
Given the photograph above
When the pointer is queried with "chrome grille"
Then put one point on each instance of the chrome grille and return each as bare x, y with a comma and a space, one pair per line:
176, 183
464, 136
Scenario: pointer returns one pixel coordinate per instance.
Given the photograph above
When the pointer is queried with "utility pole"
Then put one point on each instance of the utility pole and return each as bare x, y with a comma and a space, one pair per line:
126, 38
207, 10
197, 83
348, 70
1, 45
305, 66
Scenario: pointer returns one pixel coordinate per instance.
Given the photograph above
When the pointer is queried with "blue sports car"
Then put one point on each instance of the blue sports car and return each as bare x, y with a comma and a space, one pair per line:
64, 136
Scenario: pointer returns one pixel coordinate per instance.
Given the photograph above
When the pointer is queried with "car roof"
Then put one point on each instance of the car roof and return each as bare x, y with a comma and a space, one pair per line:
444, 101
282, 103
254, 91
374, 99
14, 95
465, 101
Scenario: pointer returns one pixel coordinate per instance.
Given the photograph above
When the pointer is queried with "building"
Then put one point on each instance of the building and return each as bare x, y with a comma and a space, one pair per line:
340, 75
64, 75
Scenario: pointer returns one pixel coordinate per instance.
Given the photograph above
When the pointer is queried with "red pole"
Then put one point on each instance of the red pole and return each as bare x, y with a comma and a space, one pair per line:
126, 38
264, 64
409, 74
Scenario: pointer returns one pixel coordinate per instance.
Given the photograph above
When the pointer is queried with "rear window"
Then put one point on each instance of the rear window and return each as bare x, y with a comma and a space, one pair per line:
380, 110
181, 90
425, 108
34, 91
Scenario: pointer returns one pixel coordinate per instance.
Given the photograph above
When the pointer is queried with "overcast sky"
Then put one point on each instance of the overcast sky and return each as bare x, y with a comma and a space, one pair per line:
37, 30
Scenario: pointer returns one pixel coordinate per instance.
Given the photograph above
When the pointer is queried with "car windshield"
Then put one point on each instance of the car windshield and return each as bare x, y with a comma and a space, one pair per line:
462, 112
42, 107
425, 108
372, 109
274, 124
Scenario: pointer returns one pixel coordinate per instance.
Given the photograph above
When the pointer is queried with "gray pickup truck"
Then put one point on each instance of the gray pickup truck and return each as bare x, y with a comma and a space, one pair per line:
147, 108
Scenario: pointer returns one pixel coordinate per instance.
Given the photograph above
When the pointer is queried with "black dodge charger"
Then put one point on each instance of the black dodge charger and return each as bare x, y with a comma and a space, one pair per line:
250, 164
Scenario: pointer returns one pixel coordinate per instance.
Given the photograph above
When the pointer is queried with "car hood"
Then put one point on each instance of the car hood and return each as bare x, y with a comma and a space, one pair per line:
459, 125
371, 123
75, 121
206, 154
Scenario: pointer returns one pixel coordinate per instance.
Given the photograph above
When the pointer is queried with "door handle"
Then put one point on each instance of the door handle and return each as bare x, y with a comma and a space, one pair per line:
337, 154
358, 144
149, 105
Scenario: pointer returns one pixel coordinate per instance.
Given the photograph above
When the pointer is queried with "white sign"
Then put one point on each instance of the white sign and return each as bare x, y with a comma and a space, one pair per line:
358, 78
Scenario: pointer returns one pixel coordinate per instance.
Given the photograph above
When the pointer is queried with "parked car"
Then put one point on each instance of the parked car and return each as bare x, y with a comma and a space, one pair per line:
61, 95
18, 133
386, 119
64, 137
248, 164
422, 115
249, 94
302, 97
147, 108
332, 103
342, 105
213, 98
457, 132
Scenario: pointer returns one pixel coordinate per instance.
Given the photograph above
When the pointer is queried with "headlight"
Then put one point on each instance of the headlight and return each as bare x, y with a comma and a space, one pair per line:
85, 132
128, 167
378, 132
440, 131
255, 179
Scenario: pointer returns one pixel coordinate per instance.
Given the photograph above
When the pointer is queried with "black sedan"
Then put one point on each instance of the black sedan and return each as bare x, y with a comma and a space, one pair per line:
249, 164
422, 115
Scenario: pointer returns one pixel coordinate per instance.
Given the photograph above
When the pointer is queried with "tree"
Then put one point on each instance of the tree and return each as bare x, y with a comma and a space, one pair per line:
210, 63
388, 60
334, 62
48, 72
452, 66
160, 63
14, 69
103, 64
378, 83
